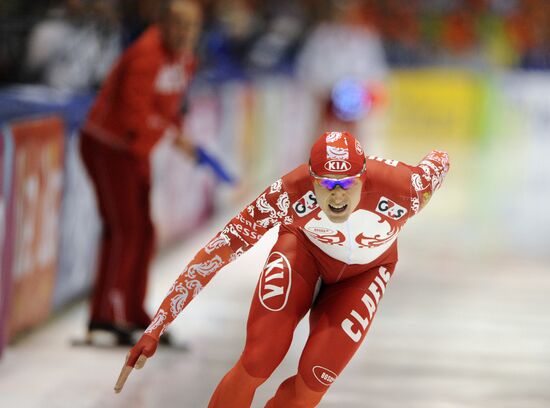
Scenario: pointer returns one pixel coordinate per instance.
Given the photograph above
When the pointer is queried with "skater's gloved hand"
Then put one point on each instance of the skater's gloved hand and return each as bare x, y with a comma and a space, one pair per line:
147, 345
136, 357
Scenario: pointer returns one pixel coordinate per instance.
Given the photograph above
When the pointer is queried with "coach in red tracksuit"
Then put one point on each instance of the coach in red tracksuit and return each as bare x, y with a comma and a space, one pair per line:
138, 104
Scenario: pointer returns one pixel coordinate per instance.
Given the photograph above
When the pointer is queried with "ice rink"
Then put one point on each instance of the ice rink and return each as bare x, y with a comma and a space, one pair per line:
465, 322
454, 331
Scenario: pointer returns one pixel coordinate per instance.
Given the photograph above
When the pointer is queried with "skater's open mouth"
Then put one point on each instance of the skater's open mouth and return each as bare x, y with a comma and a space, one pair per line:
338, 208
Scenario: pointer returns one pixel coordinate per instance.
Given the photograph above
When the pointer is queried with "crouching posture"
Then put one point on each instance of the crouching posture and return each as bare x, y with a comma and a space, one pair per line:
339, 217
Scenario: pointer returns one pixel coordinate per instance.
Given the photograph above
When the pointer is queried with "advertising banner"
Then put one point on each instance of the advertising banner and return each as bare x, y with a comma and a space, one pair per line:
433, 105
35, 211
4, 275
440, 109
519, 151
79, 229
266, 129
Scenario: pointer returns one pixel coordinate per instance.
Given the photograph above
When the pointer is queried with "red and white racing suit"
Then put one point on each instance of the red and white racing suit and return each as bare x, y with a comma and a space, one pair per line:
354, 261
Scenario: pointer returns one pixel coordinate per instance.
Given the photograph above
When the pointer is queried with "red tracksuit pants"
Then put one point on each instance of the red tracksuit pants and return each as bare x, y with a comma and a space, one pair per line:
340, 316
122, 187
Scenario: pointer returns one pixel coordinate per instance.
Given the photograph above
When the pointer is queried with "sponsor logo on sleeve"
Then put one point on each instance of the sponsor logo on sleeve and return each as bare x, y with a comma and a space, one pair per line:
275, 282
306, 204
390, 209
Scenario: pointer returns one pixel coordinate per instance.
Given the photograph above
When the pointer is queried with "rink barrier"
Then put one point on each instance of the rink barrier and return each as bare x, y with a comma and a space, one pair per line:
5, 277
179, 209
80, 228
30, 243
259, 130
495, 128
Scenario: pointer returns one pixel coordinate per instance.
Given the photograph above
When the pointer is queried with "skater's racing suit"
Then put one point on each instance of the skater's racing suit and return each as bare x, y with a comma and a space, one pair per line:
354, 260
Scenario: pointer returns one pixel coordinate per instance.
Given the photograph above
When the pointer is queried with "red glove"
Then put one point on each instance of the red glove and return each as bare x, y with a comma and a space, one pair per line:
136, 357
147, 345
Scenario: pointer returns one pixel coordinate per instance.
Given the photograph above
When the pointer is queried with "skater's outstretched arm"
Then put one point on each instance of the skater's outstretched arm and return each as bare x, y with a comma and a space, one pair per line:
427, 177
241, 233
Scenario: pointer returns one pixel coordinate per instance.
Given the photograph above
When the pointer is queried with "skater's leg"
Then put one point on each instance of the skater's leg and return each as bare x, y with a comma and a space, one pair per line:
339, 322
282, 297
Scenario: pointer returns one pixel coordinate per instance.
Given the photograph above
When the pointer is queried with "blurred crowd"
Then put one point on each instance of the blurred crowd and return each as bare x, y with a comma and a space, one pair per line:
72, 43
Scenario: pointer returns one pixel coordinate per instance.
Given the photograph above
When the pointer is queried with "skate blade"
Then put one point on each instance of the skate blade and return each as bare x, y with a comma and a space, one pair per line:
100, 339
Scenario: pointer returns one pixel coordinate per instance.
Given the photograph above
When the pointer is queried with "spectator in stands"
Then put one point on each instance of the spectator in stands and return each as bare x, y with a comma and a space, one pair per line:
275, 48
138, 104
233, 26
136, 16
536, 50
75, 46
403, 33
346, 47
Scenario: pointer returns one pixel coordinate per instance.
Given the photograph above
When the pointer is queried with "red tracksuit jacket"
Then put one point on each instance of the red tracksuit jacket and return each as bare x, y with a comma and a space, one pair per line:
141, 97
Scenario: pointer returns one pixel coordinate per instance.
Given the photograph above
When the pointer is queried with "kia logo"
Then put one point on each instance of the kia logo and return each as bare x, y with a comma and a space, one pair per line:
338, 166
275, 282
